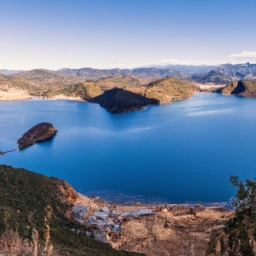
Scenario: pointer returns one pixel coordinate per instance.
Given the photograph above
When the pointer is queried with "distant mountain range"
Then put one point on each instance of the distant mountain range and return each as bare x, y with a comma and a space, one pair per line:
8, 72
90, 73
239, 71
188, 69
221, 74
214, 77
202, 74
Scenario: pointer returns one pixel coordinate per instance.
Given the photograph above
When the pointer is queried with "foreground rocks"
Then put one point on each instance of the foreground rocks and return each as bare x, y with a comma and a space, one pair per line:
39, 132
151, 229
46, 216
36, 218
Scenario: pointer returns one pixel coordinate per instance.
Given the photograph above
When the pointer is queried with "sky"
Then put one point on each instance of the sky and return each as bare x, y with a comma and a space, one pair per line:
55, 34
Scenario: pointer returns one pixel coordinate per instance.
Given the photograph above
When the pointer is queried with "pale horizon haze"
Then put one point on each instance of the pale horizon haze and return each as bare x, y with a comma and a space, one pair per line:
125, 34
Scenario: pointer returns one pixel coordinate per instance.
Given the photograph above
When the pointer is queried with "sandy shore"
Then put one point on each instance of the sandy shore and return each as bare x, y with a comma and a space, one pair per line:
210, 86
64, 97
17, 94
14, 94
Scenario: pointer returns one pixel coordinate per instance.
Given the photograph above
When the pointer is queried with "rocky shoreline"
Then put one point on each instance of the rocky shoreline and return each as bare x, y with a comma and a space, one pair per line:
164, 229
63, 215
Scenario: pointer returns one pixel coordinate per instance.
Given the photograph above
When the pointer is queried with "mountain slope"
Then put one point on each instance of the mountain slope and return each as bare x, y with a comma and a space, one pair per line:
89, 73
170, 89
35, 218
8, 72
244, 71
214, 77
43, 77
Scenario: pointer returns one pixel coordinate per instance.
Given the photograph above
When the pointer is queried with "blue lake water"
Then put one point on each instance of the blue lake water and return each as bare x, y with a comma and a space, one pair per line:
174, 153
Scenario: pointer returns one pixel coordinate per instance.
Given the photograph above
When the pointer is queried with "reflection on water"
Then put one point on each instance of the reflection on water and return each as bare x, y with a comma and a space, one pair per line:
182, 152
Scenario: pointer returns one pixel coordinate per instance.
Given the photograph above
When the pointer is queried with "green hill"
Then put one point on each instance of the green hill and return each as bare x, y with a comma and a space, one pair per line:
170, 89
35, 217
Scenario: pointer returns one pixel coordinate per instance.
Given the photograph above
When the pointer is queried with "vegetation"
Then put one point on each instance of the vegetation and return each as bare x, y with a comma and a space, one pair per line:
238, 237
30, 201
45, 83
170, 89
86, 90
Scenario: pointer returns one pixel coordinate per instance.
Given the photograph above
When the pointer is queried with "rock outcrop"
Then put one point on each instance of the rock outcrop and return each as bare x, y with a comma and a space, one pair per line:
39, 132
118, 100
155, 230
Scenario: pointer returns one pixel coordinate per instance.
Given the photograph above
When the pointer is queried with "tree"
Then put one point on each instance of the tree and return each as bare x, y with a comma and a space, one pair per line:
239, 234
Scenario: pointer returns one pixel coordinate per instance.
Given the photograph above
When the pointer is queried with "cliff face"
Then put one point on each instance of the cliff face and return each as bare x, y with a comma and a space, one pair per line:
39, 132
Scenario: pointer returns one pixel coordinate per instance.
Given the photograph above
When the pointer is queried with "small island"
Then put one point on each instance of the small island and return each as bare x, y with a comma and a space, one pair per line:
40, 132
119, 100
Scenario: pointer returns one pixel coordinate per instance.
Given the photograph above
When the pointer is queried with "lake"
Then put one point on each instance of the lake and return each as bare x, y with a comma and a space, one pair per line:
176, 153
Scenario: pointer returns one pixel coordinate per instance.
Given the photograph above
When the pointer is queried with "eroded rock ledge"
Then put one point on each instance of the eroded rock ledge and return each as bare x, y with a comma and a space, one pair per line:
151, 229
39, 132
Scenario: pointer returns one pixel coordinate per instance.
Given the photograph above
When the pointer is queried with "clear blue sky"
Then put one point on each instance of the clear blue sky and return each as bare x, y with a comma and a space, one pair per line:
55, 34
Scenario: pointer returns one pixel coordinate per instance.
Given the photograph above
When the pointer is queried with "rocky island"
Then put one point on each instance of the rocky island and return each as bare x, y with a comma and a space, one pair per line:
118, 100
39, 132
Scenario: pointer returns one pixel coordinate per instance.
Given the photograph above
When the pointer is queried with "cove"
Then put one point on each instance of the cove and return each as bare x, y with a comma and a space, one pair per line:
176, 153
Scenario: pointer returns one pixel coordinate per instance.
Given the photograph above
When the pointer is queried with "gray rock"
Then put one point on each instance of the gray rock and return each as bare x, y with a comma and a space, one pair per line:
79, 210
137, 213
104, 210
100, 215
92, 220
114, 214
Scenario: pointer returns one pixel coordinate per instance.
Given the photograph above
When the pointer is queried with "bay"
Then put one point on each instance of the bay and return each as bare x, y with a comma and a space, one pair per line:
176, 153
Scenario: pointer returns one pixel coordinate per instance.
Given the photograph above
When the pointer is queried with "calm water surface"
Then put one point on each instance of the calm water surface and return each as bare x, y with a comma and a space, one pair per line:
174, 153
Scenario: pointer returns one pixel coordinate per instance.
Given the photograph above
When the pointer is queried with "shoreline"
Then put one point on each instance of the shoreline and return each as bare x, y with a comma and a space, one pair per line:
21, 96
125, 226
134, 201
